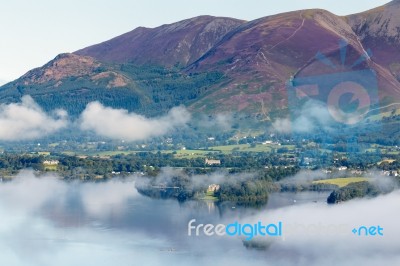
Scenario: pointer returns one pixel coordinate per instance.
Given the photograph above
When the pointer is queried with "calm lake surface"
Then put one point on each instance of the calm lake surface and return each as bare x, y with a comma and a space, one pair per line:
51, 222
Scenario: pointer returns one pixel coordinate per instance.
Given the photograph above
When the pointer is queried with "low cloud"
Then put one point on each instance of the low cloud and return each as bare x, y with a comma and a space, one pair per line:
100, 199
195, 182
312, 116
305, 177
120, 124
27, 120
221, 121
282, 125
319, 234
27, 193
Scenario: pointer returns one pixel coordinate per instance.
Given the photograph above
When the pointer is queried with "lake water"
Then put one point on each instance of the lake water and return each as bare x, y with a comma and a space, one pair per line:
51, 222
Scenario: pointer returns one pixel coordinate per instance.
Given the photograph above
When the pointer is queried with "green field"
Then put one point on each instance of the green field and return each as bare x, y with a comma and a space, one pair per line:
386, 161
341, 182
98, 153
210, 196
110, 153
190, 154
50, 167
384, 114
247, 148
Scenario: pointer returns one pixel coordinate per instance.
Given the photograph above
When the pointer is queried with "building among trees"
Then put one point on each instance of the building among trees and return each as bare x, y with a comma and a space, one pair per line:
213, 162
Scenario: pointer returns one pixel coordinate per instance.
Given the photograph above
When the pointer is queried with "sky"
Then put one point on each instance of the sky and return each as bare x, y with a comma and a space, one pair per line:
34, 32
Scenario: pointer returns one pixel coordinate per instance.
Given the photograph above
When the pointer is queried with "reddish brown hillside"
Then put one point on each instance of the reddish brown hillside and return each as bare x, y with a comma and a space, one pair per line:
178, 43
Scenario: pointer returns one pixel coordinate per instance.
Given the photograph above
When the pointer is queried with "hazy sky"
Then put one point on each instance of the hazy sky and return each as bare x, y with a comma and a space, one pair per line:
34, 32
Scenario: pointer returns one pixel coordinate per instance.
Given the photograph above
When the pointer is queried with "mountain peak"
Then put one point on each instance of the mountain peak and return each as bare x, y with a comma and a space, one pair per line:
383, 21
394, 2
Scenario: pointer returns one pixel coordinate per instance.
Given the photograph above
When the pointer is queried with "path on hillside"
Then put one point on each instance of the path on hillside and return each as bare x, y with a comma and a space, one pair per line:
292, 35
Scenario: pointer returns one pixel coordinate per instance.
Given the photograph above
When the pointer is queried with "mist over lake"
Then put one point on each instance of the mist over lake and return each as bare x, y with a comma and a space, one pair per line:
46, 221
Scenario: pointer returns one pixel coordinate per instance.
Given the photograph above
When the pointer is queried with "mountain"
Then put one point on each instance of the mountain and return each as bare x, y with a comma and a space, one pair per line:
260, 57
379, 30
179, 43
215, 64
71, 81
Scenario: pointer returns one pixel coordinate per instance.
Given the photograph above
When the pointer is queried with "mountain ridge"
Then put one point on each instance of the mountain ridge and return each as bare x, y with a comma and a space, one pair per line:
188, 40
226, 64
